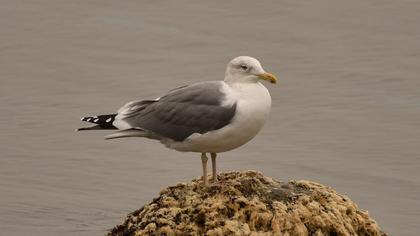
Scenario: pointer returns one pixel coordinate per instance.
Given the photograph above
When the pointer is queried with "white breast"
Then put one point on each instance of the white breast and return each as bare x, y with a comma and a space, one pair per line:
253, 107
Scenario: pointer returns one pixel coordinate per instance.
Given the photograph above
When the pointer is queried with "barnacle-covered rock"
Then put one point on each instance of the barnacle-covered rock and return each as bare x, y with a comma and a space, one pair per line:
248, 203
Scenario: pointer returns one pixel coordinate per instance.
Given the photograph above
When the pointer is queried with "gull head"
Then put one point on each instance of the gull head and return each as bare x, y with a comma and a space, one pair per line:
246, 69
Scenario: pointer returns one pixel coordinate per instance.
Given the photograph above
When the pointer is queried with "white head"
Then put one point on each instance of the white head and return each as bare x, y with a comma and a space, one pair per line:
247, 69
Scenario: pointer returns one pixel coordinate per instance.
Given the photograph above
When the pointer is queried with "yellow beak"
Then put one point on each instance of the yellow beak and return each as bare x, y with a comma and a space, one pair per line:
269, 77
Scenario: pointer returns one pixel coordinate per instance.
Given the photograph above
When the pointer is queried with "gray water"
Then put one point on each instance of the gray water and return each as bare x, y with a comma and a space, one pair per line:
346, 112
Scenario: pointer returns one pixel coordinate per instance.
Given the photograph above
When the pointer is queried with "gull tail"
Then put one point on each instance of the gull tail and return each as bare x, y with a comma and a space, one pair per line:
127, 133
101, 122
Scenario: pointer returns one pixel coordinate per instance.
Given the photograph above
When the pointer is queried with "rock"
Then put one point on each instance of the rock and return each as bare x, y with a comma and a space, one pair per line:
248, 203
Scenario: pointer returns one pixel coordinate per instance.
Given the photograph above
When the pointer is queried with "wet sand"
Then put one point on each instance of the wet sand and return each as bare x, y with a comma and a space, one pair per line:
346, 113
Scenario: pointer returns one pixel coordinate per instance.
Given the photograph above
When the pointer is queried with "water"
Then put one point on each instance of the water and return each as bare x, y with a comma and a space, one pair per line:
346, 112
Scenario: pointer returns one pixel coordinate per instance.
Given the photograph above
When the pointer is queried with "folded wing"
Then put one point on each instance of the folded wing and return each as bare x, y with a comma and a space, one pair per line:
190, 109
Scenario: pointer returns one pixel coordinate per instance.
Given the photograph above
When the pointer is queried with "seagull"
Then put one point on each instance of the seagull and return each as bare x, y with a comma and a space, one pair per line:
205, 117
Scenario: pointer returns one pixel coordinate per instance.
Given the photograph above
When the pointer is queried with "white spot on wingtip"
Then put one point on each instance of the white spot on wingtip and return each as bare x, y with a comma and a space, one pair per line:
88, 119
95, 120
82, 119
108, 120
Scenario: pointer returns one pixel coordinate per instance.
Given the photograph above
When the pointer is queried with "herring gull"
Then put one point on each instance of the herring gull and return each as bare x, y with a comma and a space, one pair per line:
206, 117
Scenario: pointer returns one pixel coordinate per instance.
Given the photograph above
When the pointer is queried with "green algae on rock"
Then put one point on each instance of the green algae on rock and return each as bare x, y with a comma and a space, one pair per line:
248, 203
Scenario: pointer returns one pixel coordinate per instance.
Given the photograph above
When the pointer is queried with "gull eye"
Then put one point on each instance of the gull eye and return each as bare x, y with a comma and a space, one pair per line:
244, 67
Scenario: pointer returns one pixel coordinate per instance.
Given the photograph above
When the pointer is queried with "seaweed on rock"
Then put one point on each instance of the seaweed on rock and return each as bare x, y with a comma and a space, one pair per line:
248, 203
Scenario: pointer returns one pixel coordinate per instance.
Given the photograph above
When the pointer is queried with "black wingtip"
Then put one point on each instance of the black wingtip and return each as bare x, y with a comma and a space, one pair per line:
96, 127
103, 120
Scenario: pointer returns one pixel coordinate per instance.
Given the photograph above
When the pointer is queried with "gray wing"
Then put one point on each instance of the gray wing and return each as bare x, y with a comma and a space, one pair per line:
183, 111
